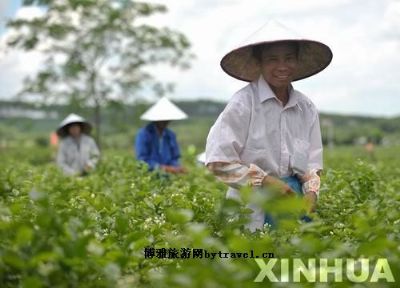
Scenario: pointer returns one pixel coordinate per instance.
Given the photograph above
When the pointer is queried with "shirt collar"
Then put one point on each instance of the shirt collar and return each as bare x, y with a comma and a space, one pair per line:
265, 92
153, 129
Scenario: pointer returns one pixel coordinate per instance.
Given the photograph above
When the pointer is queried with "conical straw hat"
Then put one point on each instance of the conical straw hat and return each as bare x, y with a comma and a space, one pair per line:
163, 110
73, 118
240, 63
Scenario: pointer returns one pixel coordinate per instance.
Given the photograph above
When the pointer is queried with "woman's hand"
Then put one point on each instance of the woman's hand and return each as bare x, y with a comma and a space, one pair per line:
275, 183
173, 169
311, 201
87, 168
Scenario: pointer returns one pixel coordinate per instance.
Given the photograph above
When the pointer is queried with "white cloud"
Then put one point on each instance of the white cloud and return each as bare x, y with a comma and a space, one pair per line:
16, 65
391, 17
363, 34
3, 7
29, 12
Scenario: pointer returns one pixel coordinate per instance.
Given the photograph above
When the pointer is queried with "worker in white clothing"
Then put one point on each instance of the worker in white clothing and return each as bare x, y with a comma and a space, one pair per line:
78, 153
269, 133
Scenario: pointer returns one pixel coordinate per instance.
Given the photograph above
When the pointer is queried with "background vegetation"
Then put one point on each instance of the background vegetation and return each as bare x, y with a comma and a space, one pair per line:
91, 232
120, 123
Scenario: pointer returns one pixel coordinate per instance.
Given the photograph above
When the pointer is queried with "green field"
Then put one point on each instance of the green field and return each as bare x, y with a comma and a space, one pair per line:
92, 231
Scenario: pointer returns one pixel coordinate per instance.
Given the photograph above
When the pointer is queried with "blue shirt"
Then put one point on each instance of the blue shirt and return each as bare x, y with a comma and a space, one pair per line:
157, 150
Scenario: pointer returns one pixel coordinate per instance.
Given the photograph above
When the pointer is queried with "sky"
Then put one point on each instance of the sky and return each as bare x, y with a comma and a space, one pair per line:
364, 36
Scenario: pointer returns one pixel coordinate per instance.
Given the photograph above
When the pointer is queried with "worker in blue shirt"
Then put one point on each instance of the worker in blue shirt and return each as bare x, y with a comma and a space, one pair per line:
155, 144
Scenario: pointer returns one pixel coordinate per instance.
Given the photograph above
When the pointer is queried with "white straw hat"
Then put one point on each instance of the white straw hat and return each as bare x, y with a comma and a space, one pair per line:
163, 110
73, 118
240, 63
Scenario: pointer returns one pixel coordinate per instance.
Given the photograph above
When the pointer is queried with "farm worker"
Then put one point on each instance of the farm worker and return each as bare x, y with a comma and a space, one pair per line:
370, 149
269, 135
53, 139
78, 153
156, 144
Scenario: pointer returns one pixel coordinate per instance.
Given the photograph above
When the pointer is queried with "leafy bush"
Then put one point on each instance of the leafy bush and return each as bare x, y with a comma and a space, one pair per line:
58, 231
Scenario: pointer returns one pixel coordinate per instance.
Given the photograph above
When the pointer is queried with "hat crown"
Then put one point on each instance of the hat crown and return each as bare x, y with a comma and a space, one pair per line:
163, 110
73, 118
272, 30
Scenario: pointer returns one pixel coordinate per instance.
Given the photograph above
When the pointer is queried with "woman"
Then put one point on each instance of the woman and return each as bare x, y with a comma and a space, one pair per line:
268, 134
78, 153
155, 144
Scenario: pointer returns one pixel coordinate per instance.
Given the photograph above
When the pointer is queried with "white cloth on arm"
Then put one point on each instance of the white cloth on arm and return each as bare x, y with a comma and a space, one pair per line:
311, 182
237, 175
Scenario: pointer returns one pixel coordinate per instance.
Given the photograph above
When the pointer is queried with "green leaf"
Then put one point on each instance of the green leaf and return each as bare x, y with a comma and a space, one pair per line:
32, 282
179, 216
24, 235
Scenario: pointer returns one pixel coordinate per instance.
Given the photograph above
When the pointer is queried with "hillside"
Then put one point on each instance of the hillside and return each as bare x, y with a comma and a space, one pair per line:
118, 119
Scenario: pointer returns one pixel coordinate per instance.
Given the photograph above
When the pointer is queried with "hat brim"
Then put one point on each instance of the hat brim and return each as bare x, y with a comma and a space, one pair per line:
313, 57
63, 130
155, 119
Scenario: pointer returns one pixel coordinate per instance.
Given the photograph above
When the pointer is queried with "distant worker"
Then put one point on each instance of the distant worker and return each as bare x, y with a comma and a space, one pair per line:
53, 139
156, 144
78, 153
370, 149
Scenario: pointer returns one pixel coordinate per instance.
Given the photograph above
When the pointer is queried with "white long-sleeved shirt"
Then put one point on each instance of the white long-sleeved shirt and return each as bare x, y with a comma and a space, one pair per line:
74, 154
256, 135
255, 128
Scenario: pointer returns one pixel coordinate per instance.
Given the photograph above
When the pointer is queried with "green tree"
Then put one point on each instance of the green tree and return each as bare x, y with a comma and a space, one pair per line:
97, 50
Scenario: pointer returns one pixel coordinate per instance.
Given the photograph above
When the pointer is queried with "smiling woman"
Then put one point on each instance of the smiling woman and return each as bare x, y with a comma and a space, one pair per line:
278, 64
257, 140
